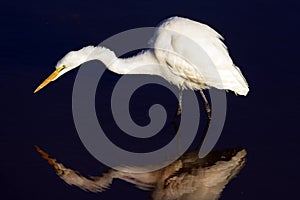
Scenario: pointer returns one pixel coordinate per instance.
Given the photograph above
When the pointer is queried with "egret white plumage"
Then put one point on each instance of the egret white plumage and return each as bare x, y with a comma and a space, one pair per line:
186, 53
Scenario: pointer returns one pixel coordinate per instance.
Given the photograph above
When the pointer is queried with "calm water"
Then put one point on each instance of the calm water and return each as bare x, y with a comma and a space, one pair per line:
261, 37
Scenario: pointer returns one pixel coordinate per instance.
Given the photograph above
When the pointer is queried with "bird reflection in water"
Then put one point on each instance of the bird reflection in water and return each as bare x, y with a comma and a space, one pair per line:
187, 178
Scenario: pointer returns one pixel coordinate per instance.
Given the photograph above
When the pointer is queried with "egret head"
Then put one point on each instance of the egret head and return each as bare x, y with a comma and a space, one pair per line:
70, 61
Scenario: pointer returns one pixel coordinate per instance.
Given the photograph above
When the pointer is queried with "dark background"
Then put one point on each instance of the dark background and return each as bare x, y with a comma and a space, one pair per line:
262, 37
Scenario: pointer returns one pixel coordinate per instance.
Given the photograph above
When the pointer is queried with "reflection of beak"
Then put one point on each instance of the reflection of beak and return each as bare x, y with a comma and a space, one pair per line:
51, 161
49, 79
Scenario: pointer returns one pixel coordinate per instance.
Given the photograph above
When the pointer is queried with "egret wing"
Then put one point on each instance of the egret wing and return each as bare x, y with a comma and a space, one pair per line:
196, 52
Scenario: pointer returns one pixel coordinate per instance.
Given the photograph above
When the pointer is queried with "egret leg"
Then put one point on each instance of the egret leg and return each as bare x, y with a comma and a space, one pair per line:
208, 112
207, 106
179, 109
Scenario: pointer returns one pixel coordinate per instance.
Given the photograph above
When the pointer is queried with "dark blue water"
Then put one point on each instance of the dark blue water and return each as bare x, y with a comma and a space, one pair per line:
262, 37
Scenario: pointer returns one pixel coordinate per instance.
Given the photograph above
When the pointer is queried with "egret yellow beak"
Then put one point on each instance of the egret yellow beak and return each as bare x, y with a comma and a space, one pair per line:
49, 79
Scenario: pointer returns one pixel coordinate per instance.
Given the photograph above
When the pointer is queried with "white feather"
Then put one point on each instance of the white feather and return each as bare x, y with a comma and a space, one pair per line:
186, 53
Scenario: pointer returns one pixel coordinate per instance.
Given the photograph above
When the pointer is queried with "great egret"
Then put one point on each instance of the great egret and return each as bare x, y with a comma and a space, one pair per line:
187, 178
186, 53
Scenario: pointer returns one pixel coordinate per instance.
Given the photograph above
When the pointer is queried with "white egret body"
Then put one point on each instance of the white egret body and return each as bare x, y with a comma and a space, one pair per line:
186, 53
170, 58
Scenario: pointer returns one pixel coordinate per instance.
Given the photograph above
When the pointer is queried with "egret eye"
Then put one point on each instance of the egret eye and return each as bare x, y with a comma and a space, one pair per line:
61, 68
